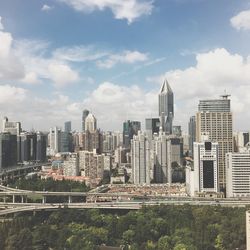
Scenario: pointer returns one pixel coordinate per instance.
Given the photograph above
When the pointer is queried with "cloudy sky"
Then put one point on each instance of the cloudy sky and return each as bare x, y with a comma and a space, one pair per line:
58, 57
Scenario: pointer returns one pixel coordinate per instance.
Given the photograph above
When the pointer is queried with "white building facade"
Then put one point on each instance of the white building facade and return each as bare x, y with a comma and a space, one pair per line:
238, 174
203, 178
140, 152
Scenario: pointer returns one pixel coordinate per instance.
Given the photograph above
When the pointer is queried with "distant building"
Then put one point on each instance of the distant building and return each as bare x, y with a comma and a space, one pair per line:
28, 146
8, 150
162, 170
91, 141
192, 133
84, 115
242, 138
203, 178
166, 107
59, 141
91, 164
238, 174
177, 131
130, 128
71, 165
140, 153
67, 126
90, 123
41, 146
13, 128
152, 126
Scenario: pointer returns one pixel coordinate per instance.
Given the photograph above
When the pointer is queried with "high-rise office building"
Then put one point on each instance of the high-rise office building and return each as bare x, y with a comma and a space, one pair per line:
215, 119
92, 141
130, 128
84, 115
67, 126
152, 126
11, 127
8, 150
192, 133
41, 146
238, 174
59, 141
90, 123
242, 138
176, 130
162, 170
140, 153
204, 175
166, 107
28, 146
215, 105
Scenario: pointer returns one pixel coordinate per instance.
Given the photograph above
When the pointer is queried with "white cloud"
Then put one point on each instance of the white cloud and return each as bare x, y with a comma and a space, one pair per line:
113, 103
79, 53
30, 78
241, 21
129, 9
1, 24
128, 57
46, 8
10, 65
62, 74
214, 72
9, 95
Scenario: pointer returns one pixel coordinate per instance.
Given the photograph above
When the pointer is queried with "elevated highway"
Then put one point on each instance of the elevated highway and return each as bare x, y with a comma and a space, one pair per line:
117, 201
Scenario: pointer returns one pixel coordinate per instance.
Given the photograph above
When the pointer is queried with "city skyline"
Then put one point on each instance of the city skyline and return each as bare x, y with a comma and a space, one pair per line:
50, 72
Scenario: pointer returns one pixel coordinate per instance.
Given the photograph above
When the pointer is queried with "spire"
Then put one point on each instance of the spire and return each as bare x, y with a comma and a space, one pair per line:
165, 88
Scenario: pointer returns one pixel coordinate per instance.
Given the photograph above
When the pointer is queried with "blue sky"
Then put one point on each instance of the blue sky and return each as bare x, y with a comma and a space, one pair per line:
59, 57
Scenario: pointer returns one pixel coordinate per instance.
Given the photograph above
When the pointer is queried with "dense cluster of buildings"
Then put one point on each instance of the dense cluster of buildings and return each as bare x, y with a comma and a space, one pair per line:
211, 158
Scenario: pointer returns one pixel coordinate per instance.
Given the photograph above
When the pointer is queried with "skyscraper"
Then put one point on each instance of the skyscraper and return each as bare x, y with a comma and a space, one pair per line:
67, 126
203, 176
215, 119
8, 150
192, 134
166, 107
84, 115
162, 171
130, 128
90, 123
41, 146
152, 126
28, 146
140, 153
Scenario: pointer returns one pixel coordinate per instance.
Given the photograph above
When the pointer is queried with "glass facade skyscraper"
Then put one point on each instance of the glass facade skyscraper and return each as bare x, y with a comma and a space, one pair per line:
166, 107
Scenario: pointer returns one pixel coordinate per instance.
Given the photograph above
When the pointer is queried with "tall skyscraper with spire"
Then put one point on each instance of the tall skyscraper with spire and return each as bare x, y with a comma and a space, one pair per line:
166, 107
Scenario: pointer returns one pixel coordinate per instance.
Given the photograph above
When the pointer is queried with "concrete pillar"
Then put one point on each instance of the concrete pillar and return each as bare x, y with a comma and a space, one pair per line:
4, 199
13, 198
22, 198
70, 199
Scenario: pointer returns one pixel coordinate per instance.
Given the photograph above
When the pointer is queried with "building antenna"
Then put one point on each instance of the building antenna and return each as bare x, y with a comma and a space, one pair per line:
225, 96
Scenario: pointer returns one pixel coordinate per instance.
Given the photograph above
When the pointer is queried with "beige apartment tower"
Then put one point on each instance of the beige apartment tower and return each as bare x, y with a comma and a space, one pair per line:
214, 119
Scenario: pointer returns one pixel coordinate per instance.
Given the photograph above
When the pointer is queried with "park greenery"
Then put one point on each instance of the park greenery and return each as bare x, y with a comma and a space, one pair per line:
159, 228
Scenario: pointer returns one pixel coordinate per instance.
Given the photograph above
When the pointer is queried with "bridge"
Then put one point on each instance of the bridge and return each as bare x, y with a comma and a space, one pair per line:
15, 201
19, 171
